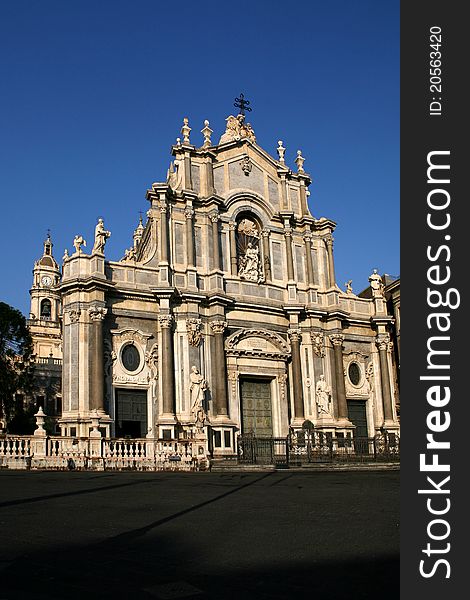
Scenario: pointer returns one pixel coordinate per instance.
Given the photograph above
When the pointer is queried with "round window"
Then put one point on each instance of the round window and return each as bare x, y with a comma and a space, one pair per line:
130, 358
354, 373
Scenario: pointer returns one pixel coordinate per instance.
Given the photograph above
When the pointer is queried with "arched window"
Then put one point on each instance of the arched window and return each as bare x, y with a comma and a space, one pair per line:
46, 309
249, 248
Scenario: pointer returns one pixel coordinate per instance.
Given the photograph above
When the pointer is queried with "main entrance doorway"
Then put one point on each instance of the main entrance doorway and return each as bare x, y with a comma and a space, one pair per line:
257, 418
358, 417
131, 413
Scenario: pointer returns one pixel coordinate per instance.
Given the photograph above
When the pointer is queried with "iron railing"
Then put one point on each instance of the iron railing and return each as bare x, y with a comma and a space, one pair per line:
303, 447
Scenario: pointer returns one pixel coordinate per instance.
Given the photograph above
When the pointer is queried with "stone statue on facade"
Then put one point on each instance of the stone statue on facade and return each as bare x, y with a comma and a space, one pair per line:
376, 285
101, 235
249, 264
129, 254
78, 242
236, 129
323, 394
197, 389
348, 286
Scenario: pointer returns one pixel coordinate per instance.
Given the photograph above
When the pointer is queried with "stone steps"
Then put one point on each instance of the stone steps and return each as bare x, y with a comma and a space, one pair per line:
232, 465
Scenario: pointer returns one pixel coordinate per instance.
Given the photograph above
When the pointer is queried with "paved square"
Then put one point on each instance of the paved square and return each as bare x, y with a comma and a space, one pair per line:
199, 535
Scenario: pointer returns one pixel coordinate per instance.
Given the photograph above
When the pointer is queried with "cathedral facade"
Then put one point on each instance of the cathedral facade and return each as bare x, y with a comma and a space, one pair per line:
224, 314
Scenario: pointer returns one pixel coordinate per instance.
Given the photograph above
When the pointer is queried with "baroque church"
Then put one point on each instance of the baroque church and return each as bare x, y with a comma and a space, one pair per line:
224, 314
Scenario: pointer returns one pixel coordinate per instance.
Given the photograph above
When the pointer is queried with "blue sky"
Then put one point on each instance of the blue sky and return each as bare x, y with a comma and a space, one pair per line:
94, 93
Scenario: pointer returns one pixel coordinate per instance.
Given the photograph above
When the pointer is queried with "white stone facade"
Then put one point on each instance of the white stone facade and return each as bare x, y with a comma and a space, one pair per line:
231, 274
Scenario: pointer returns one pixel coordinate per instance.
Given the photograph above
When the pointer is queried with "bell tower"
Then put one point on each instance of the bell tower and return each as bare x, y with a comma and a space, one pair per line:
44, 318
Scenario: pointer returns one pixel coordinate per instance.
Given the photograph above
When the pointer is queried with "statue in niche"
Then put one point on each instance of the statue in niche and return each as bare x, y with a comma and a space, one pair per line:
323, 394
197, 389
249, 266
101, 235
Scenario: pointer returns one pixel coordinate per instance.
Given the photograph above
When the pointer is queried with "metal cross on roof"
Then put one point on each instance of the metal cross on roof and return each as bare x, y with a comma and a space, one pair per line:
242, 104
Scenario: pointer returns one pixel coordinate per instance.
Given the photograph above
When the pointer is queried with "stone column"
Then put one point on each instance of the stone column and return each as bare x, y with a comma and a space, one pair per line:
342, 406
97, 314
189, 214
267, 259
167, 353
331, 265
164, 232
219, 372
215, 240
308, 250
383, 343
290, 262
232, 226
295, 336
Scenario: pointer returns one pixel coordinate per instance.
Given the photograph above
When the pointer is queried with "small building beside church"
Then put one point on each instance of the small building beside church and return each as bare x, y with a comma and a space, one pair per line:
224, 313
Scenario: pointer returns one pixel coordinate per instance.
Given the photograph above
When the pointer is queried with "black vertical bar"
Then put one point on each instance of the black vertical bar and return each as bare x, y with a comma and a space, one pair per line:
433, 120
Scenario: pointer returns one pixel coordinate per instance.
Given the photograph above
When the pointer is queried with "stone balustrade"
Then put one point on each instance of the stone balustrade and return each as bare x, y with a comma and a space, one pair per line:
67, 453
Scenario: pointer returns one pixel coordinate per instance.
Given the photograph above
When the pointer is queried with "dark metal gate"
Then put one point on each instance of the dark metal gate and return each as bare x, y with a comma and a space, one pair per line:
303, 447
263, 451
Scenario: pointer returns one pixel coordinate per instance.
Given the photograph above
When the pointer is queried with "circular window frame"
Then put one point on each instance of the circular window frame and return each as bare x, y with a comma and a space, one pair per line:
361, 374
141, 359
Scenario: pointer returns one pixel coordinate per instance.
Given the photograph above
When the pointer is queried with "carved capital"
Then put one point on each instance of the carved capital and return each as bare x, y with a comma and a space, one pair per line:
383, 341
189, 212
97, 313
165, 321
214, 217
295, 334
74, 315
218, 327
337, 339
265, 233
288, 232
329, 241
232, 225
163, 207
308, 237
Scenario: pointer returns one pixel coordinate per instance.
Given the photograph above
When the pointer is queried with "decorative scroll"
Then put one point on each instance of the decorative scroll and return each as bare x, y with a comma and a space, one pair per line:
193, 328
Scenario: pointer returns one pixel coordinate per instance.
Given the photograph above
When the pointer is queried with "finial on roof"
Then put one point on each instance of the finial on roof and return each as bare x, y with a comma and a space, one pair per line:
178, 141
299, 161
185, 130
281, 151
207, 132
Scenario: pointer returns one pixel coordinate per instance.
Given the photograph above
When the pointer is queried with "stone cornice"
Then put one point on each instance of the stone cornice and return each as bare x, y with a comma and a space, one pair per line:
86, 283
323, 224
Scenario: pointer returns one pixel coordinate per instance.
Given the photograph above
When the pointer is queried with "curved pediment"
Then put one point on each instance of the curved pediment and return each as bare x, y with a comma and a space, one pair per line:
257, 342
240, 200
